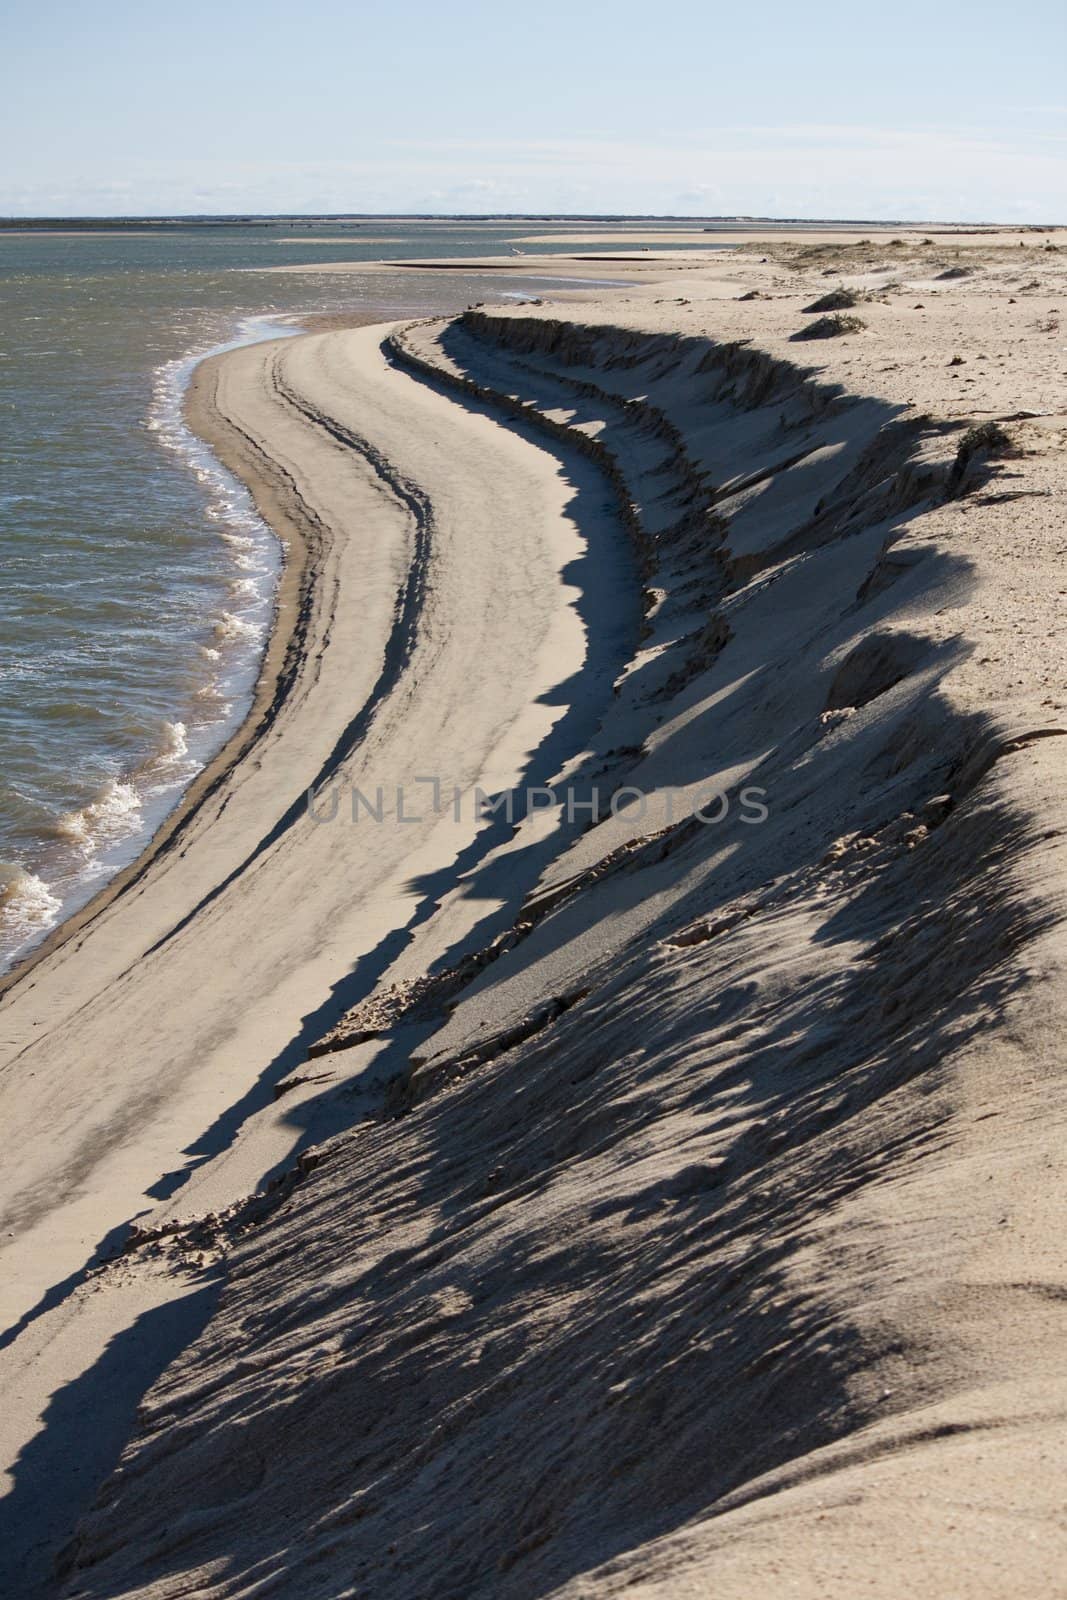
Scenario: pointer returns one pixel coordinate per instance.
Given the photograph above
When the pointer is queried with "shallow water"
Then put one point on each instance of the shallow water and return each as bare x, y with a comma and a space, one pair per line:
136, 581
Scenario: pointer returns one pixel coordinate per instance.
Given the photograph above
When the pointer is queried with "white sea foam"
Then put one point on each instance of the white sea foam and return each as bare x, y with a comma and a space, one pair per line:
244, 589
27, 904
114, 814
232, 629
175, 745
92, 841
239, 631
211, 704
250, 543
117, 812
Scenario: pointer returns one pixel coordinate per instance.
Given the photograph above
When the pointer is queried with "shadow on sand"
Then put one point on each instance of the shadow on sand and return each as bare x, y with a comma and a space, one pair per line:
86, 1424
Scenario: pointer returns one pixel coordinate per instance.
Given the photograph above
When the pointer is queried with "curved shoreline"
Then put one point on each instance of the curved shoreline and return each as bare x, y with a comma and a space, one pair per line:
278, 666
143, 1045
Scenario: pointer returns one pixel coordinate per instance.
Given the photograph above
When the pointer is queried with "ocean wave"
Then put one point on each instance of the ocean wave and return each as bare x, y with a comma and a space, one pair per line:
113, 815
171, 751
116, 812
75, 849
27, 904
231, 629
234, 646
212, 704
244, 590
243, 552
175, 745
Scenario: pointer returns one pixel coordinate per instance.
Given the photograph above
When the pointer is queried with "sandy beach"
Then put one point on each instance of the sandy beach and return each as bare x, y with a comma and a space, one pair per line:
133, 1085
664, 1199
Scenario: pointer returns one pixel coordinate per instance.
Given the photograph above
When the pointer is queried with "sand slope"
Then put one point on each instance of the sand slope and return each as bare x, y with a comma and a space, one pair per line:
708, 1238
136, 1052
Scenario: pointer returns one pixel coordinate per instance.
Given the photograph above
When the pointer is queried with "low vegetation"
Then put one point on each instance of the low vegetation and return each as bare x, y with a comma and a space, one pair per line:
831, 327
839, 299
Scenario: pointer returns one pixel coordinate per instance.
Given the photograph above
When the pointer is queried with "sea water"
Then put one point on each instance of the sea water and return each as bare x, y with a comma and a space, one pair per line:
136, 580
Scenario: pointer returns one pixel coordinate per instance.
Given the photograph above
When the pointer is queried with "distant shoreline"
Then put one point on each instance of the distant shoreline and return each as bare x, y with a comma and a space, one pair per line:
168, 224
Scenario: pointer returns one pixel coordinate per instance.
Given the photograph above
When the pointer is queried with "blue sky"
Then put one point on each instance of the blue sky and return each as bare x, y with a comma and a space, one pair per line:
949, 111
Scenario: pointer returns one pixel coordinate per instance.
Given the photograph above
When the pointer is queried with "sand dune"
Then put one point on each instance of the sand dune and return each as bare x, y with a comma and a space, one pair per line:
677, 1209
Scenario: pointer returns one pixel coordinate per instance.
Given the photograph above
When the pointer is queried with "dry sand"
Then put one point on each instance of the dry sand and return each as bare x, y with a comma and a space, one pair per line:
135, 1051
864, 246
706, 1235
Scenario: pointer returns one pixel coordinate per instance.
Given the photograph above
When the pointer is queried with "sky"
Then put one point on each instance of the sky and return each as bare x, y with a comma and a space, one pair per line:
932, 111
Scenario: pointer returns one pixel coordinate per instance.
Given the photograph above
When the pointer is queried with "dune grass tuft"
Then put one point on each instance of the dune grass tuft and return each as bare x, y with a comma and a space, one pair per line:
987, 436
981, 443
839, 299
830, 328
